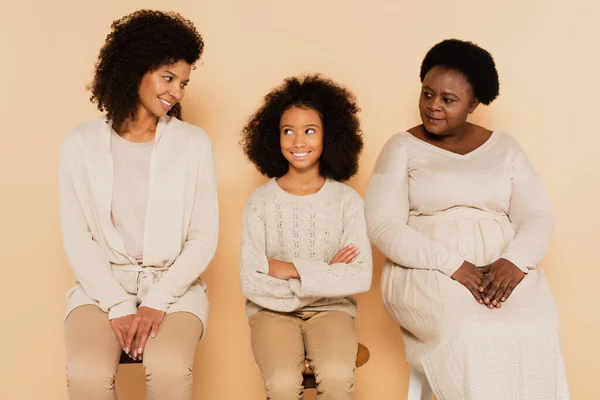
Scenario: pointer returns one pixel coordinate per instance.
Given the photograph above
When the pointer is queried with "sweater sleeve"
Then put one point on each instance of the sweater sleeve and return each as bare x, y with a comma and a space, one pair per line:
257, 286
319, 279
387, 210
531, 213
87, 260
201, 241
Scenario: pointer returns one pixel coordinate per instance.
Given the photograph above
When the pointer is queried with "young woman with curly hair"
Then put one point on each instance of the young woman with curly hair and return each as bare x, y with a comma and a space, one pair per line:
139, 214
463, 219
305, 250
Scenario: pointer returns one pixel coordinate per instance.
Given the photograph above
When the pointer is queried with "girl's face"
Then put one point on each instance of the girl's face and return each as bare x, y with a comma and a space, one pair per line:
301, 138
164, 87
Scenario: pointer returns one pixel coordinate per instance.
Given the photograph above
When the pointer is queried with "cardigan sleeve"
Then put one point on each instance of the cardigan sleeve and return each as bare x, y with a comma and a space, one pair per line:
201, 240
319, 279
531, 213
87, 260
387, 210
256, 283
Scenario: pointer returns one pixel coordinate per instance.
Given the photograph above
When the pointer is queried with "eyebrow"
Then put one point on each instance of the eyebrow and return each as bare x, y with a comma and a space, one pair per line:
445, 93
305, 126
175, 75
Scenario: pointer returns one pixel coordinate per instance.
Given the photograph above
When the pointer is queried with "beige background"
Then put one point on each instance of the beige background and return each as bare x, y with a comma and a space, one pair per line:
547, 56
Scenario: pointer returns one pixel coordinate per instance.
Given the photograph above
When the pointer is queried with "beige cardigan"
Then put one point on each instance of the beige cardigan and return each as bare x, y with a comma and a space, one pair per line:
181, 229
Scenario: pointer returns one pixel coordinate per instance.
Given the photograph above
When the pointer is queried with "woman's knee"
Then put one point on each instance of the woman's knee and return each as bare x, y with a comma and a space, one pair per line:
90, 376
167, 367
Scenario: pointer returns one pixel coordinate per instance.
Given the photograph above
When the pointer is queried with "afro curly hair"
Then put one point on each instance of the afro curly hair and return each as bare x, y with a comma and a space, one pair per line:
337, 107
139, 43
475, 63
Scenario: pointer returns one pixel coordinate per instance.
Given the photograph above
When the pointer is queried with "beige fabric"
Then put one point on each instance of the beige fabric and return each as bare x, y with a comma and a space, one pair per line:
181, 225
131, 177
92, 355
429, 209
281, 342
308, 231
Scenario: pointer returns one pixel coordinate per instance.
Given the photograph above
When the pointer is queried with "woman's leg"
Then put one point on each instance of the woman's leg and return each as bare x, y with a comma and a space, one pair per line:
92, 354
169, 357
331, 347
279, 352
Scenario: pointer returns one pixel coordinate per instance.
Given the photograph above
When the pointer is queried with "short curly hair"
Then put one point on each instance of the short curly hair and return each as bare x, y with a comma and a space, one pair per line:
338, 109
139, 43
475, 63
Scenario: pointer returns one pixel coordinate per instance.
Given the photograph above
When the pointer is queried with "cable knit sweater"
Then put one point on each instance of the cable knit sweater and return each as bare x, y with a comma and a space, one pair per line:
307, 231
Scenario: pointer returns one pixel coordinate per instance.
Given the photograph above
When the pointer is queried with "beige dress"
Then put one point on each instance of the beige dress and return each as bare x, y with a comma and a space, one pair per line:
428, 210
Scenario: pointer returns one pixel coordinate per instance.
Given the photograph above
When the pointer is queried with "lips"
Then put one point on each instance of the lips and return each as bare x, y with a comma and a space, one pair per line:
434, 121
166, 104
300, 155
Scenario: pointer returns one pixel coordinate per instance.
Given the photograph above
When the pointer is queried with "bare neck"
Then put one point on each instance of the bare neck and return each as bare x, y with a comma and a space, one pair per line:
302, 182
141, 129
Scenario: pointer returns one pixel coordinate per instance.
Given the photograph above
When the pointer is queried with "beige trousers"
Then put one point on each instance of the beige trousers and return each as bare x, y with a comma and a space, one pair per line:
92, 353
281, 342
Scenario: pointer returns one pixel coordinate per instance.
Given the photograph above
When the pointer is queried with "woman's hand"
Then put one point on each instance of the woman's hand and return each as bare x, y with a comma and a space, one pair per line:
501, 280
120, 327
282, 270
471, 277
345, 255
145, 323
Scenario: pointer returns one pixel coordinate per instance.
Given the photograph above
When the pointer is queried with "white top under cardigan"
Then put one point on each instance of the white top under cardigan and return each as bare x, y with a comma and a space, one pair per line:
131, 181
307, 231
181, 227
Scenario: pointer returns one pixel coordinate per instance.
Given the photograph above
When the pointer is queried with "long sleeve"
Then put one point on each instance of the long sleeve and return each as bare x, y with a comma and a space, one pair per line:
387, 209
257, 286
318, 278
201, 241
87, 260
531, 213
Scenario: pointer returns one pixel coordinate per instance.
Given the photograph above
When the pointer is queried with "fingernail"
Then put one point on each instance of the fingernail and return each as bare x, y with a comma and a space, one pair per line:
126, 350
140, 350
152, 334
134, 354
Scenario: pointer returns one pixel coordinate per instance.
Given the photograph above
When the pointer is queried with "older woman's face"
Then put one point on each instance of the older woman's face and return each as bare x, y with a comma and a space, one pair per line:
446, 101
164, 87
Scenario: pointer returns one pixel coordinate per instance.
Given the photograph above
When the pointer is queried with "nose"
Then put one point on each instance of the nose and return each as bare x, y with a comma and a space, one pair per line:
176, 92
434, 103
299, 140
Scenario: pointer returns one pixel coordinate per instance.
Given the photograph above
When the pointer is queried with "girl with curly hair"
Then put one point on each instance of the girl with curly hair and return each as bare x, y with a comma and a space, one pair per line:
463, 219
139, 214
305, 249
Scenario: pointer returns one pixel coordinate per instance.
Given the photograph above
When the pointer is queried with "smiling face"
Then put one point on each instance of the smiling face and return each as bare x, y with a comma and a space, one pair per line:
163, 87
301, 138
446, 101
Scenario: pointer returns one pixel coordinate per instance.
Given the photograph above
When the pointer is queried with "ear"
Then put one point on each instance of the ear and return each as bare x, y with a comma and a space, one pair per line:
473, 105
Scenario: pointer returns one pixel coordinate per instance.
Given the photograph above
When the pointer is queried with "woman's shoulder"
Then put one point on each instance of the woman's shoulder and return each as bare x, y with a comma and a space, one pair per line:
189, 132
87, 131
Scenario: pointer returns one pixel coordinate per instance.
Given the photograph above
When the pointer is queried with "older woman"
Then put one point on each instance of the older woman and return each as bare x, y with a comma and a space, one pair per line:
463, 219
138, 213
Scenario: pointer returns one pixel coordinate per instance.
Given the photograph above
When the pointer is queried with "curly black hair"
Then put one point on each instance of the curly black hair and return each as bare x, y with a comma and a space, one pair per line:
475, 63
139, 43
337, 107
